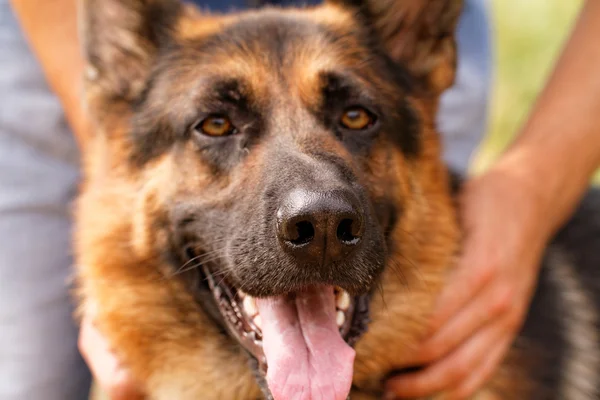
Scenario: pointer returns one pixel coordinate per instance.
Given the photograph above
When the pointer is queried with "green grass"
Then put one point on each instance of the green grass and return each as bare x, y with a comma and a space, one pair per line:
529, 35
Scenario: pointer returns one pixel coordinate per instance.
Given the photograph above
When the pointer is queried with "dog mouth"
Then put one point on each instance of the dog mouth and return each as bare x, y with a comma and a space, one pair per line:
302, 340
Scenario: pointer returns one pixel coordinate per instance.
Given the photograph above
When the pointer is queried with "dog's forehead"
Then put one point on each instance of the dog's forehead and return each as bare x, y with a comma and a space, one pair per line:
272, 47
276, 23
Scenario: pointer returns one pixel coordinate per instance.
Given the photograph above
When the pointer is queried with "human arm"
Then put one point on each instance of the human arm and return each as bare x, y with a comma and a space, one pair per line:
110, 374
50, 28
509, 213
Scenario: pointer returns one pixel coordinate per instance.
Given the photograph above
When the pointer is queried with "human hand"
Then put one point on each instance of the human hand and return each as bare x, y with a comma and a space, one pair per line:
112, 377
484, 304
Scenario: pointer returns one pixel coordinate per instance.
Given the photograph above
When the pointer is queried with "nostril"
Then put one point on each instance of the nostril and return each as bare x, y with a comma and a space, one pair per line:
304, 233
348, 231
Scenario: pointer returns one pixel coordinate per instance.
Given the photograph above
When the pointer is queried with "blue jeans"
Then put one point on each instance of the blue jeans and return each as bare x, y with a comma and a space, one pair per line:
38, 177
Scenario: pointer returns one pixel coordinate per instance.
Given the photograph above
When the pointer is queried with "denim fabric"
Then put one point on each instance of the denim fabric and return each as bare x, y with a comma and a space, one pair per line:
38, 176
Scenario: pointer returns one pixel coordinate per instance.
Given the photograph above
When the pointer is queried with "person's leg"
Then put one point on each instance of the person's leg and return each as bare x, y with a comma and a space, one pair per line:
38, 176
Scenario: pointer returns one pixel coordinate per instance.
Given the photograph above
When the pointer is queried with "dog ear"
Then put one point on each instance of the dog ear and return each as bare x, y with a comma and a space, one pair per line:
120, 40
416, 33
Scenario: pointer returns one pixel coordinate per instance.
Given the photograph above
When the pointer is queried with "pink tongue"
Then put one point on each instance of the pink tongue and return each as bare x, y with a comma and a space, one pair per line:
306, 356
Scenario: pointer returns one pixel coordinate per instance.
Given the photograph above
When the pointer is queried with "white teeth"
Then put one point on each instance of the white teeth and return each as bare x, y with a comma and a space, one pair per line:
258, 322
342, 300
250, 306
340, 318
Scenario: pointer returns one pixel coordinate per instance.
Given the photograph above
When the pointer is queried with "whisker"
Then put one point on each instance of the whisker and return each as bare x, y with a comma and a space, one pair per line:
191, 260
396, 267
197, 263
410, 235
379, 289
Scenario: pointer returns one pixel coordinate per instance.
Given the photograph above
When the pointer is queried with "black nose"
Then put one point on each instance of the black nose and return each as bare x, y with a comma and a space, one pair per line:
320, 227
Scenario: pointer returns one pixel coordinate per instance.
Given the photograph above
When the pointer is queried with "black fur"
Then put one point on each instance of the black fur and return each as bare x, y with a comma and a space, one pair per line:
156, 127
543, 337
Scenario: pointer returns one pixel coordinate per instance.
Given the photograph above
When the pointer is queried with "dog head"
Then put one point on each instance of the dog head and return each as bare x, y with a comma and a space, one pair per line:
272, 160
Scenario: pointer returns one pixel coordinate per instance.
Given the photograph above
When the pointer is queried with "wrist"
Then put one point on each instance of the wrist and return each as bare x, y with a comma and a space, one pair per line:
549, 181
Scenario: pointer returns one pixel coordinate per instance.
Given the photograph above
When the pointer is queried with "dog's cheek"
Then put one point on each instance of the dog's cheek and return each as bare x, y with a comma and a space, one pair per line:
381, 179
150, 224
147, 216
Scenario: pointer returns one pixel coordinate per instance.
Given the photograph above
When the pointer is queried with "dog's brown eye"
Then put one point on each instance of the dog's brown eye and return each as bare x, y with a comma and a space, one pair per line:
357, 118
215, 125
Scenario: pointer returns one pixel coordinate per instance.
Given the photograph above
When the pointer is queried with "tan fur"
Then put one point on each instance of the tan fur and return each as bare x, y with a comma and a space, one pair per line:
153, 321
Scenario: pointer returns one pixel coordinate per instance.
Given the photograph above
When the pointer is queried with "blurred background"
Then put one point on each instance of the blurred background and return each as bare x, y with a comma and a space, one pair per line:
529, 35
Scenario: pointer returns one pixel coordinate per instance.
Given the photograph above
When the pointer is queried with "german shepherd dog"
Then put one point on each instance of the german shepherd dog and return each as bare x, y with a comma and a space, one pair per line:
265, 212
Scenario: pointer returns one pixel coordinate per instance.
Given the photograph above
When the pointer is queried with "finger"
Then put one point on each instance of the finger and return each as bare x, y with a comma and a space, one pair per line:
488, 305
105, 367
482, 374
123, 387
97, 353
468, 280
451, 370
